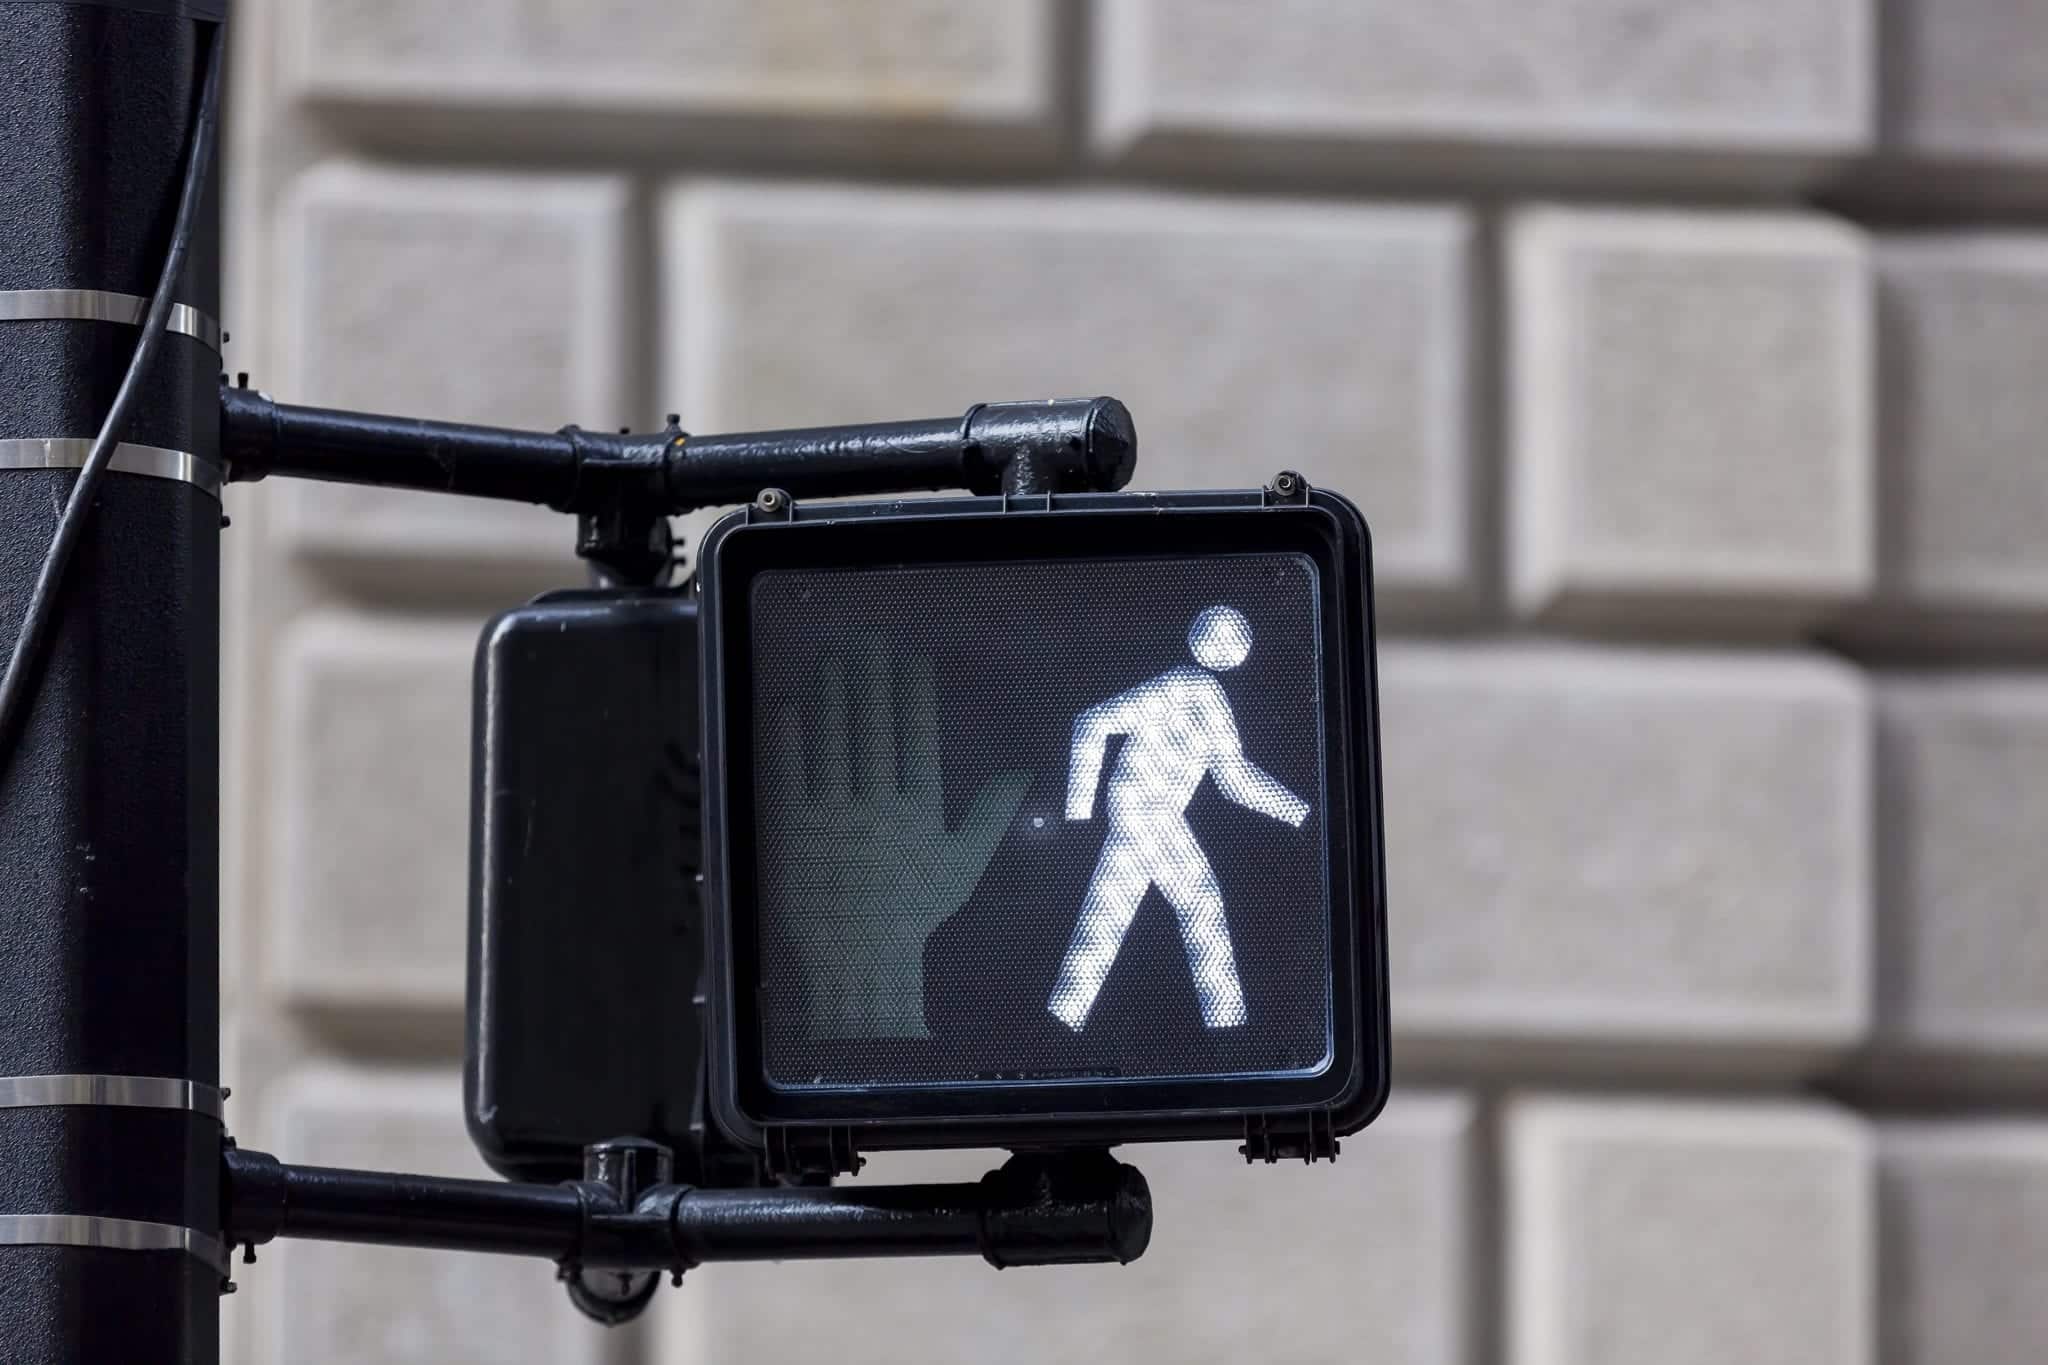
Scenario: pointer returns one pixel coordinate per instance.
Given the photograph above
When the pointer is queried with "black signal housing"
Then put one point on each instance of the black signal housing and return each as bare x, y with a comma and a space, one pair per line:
972, 567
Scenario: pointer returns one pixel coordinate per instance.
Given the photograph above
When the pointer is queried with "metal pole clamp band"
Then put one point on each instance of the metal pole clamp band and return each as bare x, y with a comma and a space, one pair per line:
103, 305
112, 1234
116, 1234
127, 1092
69, 452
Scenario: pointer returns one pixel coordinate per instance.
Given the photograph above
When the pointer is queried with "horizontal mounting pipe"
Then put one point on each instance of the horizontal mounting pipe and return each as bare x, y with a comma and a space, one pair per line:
1036, 1210
260, 437
1064, 445
266, 1198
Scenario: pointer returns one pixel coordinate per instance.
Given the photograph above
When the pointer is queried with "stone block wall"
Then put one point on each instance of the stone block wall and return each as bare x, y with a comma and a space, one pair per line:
1684, 357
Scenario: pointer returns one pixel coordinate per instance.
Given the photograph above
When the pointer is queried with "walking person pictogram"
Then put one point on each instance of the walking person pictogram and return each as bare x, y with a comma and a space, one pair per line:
1178, 729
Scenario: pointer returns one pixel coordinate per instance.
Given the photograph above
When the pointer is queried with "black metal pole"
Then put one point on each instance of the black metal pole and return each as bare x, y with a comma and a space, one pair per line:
110, 1132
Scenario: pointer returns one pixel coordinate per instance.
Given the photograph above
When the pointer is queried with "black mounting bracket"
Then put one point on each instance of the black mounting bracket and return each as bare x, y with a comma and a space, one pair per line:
615, 1231
622, 487
1309, 1137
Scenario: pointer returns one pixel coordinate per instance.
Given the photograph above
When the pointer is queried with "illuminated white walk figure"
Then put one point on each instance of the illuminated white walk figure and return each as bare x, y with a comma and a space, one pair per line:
1178, 729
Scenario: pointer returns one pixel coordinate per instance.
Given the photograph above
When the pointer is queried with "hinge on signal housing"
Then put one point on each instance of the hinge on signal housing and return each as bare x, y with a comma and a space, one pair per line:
1287, 489
1308, 1137
771, 504
798, 1152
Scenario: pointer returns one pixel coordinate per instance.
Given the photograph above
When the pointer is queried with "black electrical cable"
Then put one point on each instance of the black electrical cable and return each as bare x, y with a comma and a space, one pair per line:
17, 686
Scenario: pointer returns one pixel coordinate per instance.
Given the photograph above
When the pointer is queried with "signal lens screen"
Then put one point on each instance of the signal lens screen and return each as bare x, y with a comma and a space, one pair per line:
1040, 822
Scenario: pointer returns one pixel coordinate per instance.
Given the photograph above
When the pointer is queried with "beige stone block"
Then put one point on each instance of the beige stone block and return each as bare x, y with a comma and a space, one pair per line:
456, 296
1246, 337
367, 907
1625, 860
1689, 1233
1690, 418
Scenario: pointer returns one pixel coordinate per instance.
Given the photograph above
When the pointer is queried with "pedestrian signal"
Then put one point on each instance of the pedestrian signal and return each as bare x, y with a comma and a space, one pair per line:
1043, 820
1179, 729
